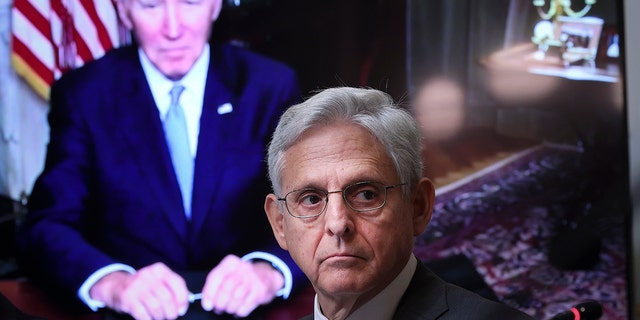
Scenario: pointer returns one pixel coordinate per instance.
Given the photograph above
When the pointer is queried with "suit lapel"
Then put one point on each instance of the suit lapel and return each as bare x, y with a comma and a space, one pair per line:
425, 298
143, 130
209, 164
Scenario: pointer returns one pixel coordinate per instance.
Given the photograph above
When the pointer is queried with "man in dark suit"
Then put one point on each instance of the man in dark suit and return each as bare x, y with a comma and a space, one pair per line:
349, 199
111, 221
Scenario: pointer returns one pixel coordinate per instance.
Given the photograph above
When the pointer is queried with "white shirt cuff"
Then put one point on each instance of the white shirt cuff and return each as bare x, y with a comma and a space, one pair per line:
279, 265
83, 292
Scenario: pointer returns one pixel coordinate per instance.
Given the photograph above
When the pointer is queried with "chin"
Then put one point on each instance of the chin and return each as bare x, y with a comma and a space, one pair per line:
341, 285
174, 68
174, 74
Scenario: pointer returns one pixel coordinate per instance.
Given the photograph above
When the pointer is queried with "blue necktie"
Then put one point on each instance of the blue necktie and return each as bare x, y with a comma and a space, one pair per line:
175, 128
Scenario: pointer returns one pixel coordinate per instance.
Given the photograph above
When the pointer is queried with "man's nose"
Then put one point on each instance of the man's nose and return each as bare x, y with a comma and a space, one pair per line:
172, 20
338, 215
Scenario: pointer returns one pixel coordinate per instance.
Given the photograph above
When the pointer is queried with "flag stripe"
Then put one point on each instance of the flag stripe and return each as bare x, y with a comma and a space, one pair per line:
87, 31
103, 34
28, 35
36, 64
51, 36
31, 68
105, 13
36, 19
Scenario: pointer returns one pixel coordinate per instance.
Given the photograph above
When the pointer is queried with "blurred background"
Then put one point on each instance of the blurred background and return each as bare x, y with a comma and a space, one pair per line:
527, 110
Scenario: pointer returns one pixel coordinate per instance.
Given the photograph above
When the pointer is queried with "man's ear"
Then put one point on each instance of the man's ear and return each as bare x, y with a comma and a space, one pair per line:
216, 10
276, 219
423, 201
123, 13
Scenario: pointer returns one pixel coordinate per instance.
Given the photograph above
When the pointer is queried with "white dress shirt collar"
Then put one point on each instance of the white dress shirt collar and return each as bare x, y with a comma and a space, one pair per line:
192, 97
383, 305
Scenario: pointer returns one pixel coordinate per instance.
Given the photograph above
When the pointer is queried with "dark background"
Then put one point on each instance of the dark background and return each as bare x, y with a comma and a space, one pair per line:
329, 43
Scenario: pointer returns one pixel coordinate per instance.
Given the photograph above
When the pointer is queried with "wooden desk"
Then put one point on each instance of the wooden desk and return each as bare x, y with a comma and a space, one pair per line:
31, 300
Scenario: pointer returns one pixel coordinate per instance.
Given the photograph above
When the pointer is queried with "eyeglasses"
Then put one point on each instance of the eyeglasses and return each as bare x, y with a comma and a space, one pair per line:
361, 196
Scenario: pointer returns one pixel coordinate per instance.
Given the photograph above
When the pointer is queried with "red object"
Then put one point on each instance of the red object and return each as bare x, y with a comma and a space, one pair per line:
576, 313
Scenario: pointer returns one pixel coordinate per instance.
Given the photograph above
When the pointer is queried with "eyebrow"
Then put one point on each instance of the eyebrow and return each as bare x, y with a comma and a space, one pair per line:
349, 183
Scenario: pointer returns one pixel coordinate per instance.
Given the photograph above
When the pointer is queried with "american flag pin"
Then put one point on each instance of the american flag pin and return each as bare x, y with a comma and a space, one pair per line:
225, 108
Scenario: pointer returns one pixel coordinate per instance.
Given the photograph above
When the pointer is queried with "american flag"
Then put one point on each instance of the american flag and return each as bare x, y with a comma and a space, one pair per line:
49, 37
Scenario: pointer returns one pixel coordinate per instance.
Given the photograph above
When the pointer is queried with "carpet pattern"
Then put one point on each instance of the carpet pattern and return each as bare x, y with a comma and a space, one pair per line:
505, 220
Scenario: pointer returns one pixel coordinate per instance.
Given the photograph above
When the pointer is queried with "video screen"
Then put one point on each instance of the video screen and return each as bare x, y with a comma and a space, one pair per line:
528, 97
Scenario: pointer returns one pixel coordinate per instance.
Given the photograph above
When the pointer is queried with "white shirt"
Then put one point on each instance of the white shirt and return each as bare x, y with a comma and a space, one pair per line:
192, 97
384, 304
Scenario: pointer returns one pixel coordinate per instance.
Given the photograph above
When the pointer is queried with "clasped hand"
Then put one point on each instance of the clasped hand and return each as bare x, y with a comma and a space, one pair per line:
234, 286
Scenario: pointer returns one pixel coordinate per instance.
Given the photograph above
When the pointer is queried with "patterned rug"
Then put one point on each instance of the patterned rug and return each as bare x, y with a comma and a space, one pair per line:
508, 220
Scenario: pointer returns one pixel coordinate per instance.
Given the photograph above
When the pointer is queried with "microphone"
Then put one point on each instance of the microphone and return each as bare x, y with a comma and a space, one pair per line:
588, 310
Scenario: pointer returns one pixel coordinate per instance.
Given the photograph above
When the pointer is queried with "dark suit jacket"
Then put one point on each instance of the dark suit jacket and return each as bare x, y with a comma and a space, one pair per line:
109, 194
429, 298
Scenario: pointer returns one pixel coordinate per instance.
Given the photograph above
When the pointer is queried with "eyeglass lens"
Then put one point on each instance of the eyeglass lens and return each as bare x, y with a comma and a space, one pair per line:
361, 196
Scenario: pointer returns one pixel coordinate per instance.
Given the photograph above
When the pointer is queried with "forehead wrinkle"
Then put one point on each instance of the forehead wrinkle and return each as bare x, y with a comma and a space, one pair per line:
348, 159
